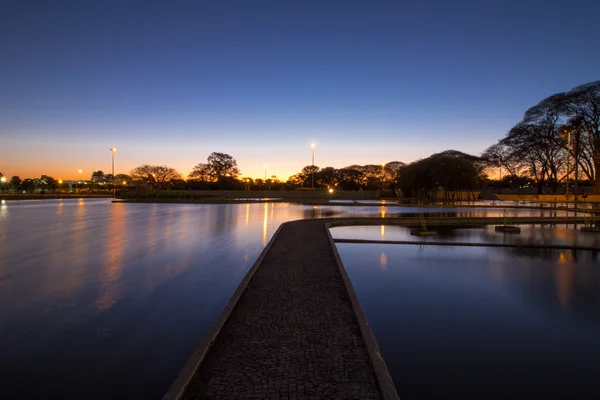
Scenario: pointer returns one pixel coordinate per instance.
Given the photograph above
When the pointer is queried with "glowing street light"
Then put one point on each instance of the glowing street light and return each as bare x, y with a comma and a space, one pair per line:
266, 176
77, 184
113, 150
312, 146
3, 181
60, 182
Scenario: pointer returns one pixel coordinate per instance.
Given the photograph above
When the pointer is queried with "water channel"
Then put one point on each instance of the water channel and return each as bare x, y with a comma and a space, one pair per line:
103, 300
481, 322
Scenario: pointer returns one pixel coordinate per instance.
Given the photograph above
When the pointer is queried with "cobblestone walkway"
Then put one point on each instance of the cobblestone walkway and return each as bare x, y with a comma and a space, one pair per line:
293, 333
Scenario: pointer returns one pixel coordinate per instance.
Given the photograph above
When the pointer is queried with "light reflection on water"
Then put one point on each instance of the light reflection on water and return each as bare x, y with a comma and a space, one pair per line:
104, 299
480, 322
116, 296
530, 235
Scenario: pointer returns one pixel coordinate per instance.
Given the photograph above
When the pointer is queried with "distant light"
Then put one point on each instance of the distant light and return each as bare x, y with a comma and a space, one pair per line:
313, 145
330, 190
3, 179
3, 201
124, 182
60, 181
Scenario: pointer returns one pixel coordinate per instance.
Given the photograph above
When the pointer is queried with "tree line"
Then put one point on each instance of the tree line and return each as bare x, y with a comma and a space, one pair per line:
557, 140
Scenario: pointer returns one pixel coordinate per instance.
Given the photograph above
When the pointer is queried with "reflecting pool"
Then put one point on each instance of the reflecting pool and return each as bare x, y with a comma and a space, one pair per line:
481, 322
103, 300
532, 235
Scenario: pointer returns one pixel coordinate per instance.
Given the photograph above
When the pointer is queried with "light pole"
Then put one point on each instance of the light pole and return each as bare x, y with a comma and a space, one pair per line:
113, 169
266, 176
77, 184
2, 182
568, 133
60, 182
312, 146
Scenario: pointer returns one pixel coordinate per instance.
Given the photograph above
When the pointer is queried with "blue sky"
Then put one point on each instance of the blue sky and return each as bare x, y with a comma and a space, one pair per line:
169, 82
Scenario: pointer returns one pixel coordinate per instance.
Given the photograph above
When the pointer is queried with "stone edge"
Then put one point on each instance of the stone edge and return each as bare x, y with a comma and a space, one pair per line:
386, 384
178, 387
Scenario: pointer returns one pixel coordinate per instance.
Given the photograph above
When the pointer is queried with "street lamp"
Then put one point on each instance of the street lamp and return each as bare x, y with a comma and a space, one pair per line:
77, 184
266, 176
312, 146
113, 150
3, 180
60, 182
568, 133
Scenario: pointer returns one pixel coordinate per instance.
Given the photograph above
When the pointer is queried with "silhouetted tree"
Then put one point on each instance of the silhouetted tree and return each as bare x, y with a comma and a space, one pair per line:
447, 172
156, 175
202, 173
222, 165
15, 183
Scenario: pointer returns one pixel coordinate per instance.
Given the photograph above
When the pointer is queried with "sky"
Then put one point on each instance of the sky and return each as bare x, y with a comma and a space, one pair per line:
169, 82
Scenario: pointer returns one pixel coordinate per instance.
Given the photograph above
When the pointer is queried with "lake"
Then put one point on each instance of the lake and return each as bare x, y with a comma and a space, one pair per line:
108, 300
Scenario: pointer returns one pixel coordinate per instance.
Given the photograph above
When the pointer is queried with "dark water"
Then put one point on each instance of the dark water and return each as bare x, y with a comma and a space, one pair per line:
102, 300
482, 323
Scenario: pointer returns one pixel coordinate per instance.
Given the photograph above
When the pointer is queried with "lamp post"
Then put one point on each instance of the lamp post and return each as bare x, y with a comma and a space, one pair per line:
312, 146
3, 181
77, 184
60, 182
113, 150
266, 176
568, 133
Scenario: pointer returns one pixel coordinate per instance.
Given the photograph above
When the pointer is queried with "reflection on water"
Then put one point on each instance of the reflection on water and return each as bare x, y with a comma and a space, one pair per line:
115, 297
530, 235
110, 285
107, 299
481, 322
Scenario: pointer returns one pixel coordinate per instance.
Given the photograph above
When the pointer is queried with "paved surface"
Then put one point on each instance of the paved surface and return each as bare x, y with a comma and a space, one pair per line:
293, 333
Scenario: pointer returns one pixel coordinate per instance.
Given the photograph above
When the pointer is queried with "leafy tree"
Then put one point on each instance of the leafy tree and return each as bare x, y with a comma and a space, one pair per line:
28, 185
98, 176
500, 155
202, 172
220, 168
158, 176
122, 177
580, 108
446, 172
583, 109
15, 183
326, 177
349, 178
47, 183
222, 165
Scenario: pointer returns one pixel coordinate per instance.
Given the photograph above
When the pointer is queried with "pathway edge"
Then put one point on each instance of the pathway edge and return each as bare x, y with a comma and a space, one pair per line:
384, 380
178, 387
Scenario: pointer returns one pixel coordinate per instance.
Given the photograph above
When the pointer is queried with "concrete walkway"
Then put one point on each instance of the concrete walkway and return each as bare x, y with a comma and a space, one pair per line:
296, 331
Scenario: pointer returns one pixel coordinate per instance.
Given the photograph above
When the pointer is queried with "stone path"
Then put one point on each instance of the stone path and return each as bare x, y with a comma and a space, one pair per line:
293, 334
